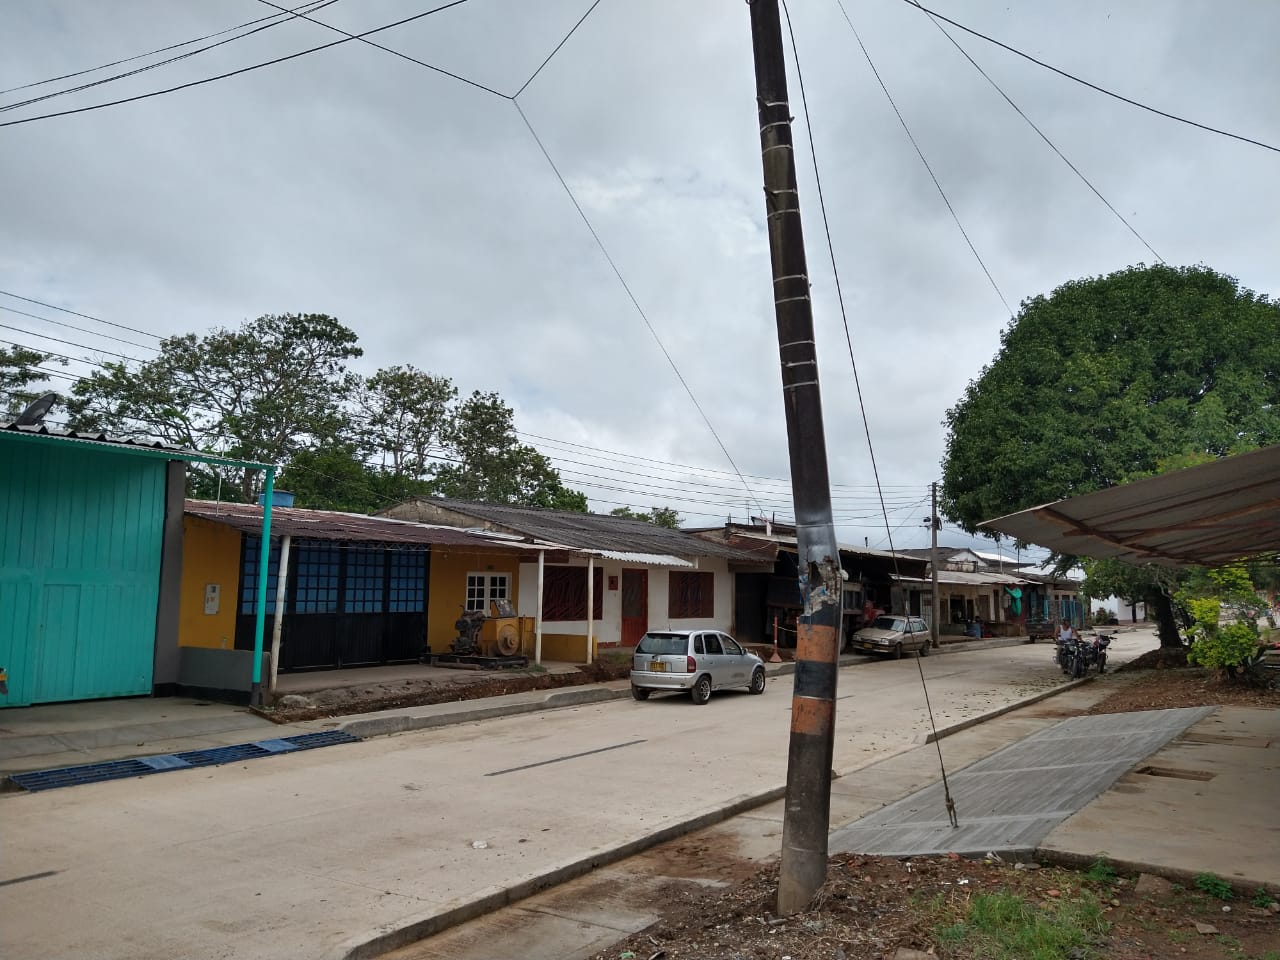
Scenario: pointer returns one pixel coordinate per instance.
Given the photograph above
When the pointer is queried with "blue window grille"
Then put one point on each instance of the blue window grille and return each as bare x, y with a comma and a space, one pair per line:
364, 585
249, 576
408, 581
316, 587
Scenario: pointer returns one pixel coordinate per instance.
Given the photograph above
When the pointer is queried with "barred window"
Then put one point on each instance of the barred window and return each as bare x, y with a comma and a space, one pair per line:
564, 593
691, 595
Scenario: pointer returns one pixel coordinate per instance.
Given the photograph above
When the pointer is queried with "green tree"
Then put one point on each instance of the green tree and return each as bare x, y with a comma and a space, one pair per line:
335, 477
491, 465
662, 516
1097, 383
404, 415
18, 374
262, 392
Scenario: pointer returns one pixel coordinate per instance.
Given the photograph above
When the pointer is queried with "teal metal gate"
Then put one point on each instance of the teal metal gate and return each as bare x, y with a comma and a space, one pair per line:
80, 549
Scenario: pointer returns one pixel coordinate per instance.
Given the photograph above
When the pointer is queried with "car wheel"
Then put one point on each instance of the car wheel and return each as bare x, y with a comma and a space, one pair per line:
757, 681
640, 693
701, 691
897, 650
924, 651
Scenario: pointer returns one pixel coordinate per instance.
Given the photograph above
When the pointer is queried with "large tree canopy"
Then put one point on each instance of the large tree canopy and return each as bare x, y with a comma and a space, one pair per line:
1104, 379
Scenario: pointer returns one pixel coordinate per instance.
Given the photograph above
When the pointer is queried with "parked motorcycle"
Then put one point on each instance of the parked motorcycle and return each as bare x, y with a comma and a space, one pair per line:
1077, 656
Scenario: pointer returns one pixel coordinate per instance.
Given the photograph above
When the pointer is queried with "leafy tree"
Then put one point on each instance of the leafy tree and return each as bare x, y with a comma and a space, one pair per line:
335, 477
662, 516
405, 413
493, 466
262, 392
1097, 383
18, 374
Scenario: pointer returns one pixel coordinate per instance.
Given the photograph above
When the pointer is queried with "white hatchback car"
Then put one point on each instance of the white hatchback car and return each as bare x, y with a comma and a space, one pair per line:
695, 662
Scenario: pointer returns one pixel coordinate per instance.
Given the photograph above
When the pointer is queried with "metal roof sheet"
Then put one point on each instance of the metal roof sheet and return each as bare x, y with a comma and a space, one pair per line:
586, 531
350, 527
1209, 514
971, 579
649, 559
150, 447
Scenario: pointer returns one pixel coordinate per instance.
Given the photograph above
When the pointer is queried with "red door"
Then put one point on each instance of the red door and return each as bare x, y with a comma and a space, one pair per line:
635, 606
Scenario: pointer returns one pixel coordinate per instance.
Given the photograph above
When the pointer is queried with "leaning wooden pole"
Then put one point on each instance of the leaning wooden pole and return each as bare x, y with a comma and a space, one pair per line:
808, 801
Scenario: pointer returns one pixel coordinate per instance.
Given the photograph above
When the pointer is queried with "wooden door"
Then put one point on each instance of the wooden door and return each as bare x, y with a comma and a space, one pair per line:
635, 606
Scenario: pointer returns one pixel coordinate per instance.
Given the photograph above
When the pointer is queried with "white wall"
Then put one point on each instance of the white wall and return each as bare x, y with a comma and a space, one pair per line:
608, 629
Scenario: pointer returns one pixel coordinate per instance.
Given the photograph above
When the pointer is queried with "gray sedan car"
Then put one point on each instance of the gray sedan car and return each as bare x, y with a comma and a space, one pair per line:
893, 635
695, 662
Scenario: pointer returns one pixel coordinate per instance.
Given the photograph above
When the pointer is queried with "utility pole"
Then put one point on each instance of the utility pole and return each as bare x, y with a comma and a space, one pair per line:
806, 819
934, 605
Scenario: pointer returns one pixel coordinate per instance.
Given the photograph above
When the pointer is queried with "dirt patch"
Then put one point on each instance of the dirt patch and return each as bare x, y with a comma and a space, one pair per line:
1161, 688
954, 909
369, 698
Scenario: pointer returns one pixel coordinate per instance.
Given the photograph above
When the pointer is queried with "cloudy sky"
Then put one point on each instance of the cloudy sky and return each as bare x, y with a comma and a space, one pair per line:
420, 211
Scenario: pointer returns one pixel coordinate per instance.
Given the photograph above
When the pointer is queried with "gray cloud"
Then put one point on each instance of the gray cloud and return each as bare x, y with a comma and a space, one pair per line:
420, 211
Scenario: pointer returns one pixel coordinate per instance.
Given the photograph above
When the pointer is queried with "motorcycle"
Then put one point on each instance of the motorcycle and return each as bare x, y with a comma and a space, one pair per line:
1077, 656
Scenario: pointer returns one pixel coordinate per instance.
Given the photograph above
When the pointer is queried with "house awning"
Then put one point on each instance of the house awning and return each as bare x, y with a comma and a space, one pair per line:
648, 559
960, 577
1209, 515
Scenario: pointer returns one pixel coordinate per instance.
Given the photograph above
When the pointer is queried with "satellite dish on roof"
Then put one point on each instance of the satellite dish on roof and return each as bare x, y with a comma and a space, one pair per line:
36, 410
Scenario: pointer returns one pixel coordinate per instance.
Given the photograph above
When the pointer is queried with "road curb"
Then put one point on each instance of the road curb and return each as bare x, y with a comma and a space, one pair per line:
1242, 886
1001, 711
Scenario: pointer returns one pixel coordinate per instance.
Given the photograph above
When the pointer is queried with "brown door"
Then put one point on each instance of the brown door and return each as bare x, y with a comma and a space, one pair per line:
635, 606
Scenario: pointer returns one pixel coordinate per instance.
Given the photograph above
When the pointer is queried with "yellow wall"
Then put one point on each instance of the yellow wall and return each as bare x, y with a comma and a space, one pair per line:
210, 554
447, 589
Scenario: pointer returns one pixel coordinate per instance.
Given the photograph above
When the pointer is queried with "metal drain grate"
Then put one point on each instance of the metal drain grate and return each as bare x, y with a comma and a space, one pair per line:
141, 766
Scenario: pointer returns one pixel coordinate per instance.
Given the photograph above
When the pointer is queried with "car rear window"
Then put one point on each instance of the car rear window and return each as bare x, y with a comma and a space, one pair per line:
663, 644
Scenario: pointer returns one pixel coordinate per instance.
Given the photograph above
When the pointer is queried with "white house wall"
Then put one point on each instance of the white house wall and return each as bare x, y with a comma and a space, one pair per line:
608, 629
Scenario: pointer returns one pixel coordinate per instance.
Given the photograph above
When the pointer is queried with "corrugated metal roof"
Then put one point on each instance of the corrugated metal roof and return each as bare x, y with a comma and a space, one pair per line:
649, 559
961, 577
86, 437
1208, 515
350, 527
588, 531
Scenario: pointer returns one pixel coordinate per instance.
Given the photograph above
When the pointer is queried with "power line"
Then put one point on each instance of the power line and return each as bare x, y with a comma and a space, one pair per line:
69, 343
1054, 147
149, 53
395, 53
1093, 86
233, 73
631, 296
118, 326
920, 153
573, 199
571, 32
831, 250
151, 66
72, 326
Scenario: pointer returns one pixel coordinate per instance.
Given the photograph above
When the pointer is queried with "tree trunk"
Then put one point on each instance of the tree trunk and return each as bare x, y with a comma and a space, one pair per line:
1167, 627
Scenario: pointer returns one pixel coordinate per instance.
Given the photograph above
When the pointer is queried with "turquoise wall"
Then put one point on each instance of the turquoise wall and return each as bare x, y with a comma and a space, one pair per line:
80, 548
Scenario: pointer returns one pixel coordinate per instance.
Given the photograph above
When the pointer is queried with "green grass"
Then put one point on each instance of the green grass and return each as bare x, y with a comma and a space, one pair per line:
1262, 898
1214, 886
1100, 872
1003, 926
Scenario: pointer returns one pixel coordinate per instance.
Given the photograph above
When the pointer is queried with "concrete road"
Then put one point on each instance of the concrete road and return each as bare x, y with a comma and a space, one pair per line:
312, 854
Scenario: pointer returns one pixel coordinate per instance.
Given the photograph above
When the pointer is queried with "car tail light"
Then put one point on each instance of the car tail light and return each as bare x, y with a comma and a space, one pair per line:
690, 665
